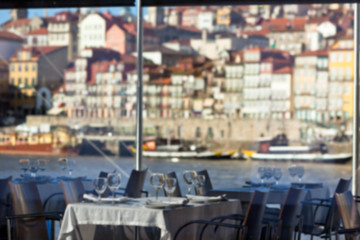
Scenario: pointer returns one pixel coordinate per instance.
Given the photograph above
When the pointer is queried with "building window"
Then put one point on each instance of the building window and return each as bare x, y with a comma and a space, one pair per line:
198, 132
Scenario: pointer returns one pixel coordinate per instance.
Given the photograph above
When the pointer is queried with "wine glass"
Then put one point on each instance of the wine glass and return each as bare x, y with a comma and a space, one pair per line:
261, 172
199, 182
292, 171
157, 182
33, 168
114, 181
100, 184
170, 186
41, 164
24, 165
188, 176
277, 175
70, 166
268, 173
63, 163
300, 172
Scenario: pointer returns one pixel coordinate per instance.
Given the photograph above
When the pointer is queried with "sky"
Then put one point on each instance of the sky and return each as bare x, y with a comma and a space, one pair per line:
5, 13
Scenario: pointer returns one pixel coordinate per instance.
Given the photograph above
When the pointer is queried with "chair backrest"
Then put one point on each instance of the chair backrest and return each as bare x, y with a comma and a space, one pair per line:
347, 209
135, 183
254, 215
4, 197
26, 200
333, 217
73, 190
177, 192
207, 186
289, 211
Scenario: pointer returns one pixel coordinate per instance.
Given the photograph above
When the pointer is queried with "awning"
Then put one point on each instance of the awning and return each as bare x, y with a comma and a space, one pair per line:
55, 111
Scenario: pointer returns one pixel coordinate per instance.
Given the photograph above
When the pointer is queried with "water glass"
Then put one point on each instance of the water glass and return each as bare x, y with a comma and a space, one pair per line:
268, 173
114, 181
261, 172
100, 185
170, 186
157, 182
199, 182
189, 176
63, 163
293, 171
42, 164
300, 172
24, 165
33, 168
70, 166
277, 175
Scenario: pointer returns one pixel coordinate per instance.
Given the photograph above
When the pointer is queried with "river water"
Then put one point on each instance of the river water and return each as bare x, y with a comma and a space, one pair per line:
223, 173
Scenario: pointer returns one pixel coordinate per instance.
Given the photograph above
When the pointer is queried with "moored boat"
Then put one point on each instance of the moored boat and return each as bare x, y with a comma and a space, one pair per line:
271, 150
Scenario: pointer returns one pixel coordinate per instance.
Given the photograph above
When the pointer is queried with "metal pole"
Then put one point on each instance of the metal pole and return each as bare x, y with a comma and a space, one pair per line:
139, 91
355, 145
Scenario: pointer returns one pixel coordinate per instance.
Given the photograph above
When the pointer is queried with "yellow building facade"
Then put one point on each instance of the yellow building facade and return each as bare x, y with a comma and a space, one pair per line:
23, 77
341, 75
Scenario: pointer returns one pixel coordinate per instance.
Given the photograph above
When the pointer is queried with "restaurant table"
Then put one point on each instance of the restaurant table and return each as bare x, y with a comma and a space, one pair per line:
83, 220
276, 197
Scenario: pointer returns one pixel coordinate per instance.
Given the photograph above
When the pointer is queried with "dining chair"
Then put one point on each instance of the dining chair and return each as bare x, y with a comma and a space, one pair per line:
249, 226
73, 190
349, 215
283, 227
30, 220
135, 184
177, 192
326, 226
207, 185
5, 204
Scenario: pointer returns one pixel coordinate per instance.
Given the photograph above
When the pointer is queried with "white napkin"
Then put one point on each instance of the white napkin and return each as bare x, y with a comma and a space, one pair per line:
94, 198
205, 198
181, 201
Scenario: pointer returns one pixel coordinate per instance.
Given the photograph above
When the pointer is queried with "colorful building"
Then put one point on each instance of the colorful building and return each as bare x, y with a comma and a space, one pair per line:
33, 68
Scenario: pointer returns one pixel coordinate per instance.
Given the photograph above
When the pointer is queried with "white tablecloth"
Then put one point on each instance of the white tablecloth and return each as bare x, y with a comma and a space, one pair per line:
134, 213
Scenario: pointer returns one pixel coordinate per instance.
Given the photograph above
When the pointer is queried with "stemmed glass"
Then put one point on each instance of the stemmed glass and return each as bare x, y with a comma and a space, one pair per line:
24, 165
63, 163
261, 172
300, 172
268, 173
100, 184
170, 186
292, 171
188, 176
41, 164
199, 182
114, 181
277, 175
33, 168
157, 182
70, 166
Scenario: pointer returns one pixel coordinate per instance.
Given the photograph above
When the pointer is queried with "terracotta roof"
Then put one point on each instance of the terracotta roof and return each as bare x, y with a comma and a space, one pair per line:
19, 22
38, 51
161, 81
284, 70
10, 36
314, 53
41, 31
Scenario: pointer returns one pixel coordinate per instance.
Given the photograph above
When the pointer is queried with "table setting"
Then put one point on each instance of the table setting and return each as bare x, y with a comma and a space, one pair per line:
167, 213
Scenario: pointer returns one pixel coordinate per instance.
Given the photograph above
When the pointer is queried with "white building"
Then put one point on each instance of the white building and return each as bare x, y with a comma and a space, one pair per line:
37, 38
92, 31
206, 20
